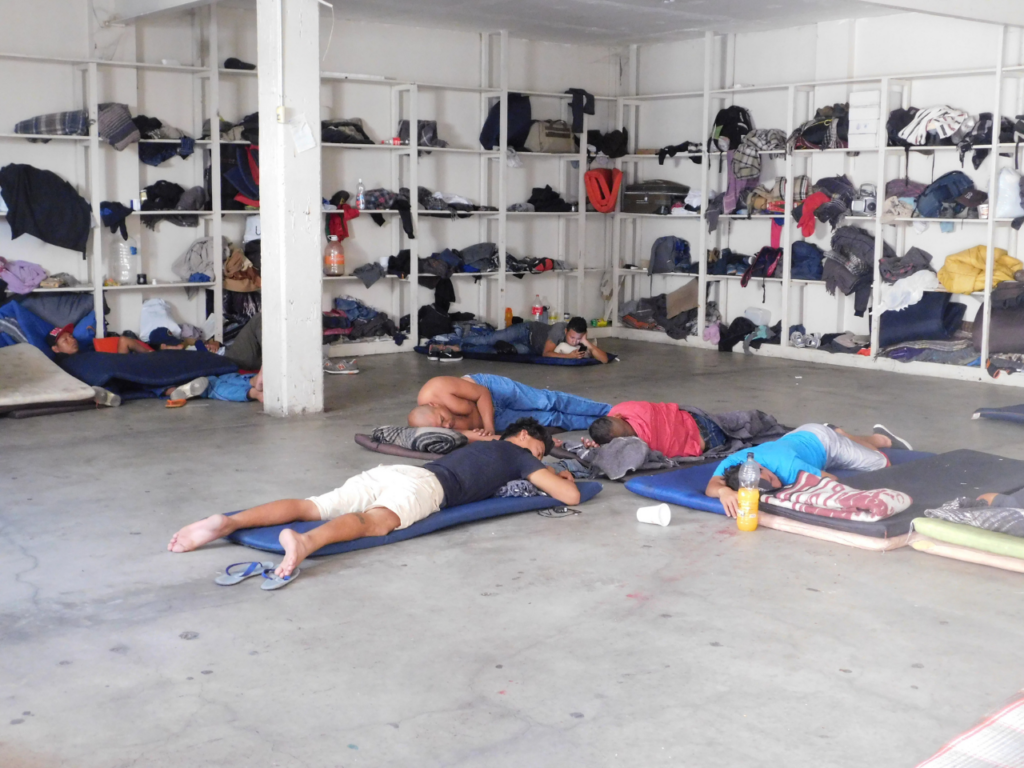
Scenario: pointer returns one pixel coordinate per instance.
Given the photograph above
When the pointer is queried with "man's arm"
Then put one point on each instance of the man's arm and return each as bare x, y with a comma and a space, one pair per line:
561, 487
717, 489
598, 353
126, 345
465, 389
549, 351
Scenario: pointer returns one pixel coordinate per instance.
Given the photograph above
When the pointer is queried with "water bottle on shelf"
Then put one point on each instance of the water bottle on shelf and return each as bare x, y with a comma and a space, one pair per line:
334, 257
749, 494
537, 312
552, 315
124, 263
361, 196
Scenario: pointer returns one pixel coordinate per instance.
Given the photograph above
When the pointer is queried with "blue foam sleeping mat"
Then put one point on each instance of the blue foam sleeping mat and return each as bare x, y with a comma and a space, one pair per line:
267, 538
531, 359
167, 368
685, 487
1013, 413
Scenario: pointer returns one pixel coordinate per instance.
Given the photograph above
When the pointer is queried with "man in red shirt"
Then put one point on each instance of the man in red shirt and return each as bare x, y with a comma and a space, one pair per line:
665, 427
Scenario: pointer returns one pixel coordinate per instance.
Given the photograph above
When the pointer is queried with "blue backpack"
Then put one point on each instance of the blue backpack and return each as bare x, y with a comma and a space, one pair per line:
520, 118
806, 261
944, 189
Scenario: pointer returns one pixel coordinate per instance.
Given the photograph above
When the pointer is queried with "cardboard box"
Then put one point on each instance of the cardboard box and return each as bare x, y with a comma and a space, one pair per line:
864, 126
865, 98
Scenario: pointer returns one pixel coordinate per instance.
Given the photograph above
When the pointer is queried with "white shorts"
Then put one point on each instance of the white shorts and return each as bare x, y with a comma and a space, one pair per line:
842, 453
412, 493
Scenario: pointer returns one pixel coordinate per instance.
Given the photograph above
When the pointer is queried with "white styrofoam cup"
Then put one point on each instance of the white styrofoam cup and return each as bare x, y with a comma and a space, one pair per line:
660, 514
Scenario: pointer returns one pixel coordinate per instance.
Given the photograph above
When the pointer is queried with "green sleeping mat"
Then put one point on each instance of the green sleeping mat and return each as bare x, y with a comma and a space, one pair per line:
969, 536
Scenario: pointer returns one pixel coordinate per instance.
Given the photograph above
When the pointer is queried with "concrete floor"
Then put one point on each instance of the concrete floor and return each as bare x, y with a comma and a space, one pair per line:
523, 641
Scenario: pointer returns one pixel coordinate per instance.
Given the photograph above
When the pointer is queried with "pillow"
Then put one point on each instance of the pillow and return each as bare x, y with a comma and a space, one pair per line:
59, 309
425, 439
565, 348
933, 318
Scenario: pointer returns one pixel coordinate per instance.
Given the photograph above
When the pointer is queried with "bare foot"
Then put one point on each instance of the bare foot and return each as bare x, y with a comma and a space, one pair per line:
203, 532
296, 549
256, 394
987, 498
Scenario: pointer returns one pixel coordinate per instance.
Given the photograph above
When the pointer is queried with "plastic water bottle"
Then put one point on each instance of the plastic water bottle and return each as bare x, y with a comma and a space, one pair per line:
552, 315
508, 317
538, 309
124, 263
334, 257
361, 196
749, 494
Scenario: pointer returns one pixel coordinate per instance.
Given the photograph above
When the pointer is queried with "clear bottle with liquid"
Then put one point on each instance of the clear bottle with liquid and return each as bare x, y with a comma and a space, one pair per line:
334, 257
361, 196
124, 262
552, 315
749, 494
537, 311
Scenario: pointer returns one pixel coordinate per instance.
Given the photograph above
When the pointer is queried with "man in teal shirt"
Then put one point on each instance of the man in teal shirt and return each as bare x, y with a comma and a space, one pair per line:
813, 448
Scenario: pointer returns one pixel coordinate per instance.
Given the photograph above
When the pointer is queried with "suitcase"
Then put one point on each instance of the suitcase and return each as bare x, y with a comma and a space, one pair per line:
650, 196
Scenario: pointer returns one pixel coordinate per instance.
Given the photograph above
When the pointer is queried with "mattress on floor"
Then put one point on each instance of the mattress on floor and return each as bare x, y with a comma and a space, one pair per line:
266, 538
685, 487
847, 539
966, 554
29, 379
1013, 413
166, 368
996, 741
367, 442
529, 359
969, 536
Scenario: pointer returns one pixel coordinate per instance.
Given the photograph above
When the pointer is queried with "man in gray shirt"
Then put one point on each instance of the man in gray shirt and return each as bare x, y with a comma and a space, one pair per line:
533, 338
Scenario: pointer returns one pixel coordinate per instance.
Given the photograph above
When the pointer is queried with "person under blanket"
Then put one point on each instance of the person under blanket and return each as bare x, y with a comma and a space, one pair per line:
482, 404
232, 387
390, 497
813, 448
665, 427
532, 338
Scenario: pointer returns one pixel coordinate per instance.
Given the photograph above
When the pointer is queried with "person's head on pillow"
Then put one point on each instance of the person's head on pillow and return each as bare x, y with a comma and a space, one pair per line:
606, 428
529, 434
61, 341
575, 330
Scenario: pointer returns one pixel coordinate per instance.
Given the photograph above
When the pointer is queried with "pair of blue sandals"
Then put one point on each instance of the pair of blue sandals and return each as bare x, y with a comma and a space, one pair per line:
236, 573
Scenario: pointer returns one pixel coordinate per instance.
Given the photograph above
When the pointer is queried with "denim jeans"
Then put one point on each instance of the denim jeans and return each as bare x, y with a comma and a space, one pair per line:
710, 432
233, 387
513, 401
517, 335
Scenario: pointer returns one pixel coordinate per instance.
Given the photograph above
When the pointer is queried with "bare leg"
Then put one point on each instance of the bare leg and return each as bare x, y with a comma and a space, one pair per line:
257, 381
378, 521
873, 442
214, 527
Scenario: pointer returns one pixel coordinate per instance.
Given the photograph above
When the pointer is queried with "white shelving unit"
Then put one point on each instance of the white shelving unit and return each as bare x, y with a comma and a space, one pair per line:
799, 99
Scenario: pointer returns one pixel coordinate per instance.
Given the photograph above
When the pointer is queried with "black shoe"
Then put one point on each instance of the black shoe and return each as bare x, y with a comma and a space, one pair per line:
897, 442
451, 355
504, 348
434, 352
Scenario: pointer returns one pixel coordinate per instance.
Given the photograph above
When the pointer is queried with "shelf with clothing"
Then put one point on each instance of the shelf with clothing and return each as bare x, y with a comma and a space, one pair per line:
871, 163
157, 286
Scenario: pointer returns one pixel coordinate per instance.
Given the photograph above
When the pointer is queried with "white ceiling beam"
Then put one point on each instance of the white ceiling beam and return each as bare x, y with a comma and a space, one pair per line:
994, 11
129, 10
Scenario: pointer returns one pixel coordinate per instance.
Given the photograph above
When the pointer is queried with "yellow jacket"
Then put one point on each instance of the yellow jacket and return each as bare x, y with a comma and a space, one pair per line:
964, 272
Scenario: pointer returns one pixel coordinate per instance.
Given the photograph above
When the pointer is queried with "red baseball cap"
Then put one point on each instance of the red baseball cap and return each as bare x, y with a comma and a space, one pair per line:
56, 333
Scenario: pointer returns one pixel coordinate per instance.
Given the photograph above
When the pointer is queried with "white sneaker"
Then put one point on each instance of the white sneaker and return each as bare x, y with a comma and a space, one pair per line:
333, 366
106, 397
194, 388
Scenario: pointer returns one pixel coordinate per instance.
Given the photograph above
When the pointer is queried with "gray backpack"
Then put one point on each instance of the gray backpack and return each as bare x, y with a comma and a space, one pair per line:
669, 254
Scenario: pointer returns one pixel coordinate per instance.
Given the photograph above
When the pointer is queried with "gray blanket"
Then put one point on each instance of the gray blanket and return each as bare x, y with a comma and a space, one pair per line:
966, 511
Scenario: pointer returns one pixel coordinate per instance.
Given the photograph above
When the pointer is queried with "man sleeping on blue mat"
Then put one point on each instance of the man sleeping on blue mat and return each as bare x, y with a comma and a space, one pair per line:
390, 497
482, 404
566, 340
813, 448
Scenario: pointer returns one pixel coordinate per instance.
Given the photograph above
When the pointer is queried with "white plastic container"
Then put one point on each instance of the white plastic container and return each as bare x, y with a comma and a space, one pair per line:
758, 315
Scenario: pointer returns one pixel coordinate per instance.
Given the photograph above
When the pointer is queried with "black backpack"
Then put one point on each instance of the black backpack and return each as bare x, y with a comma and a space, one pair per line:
520, 118
982, 134
944, 189
898, 120
731, 124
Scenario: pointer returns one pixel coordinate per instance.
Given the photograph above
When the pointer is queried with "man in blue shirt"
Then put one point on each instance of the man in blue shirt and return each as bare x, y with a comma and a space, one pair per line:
812, 448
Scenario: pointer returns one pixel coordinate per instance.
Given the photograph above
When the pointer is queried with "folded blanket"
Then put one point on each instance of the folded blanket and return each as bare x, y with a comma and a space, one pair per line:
978, 514
829, 498
519, 488
426, 439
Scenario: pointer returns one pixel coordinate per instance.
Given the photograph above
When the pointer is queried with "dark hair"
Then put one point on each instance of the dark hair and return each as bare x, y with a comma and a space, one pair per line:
731, 476
533, 429
577, 325
602, 430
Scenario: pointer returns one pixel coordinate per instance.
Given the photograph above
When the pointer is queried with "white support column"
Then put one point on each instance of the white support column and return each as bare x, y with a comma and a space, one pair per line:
502, 174
290, 194
787, 231
97, 265
875, 311
705, 179
581, 220
993, 182
217, 226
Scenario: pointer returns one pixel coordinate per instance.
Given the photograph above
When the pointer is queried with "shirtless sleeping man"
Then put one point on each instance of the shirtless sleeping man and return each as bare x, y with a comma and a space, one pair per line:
482, 405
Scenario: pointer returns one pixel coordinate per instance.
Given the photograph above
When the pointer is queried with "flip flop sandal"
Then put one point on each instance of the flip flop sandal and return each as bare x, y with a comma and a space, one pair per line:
176, 403
229, 578
272, 581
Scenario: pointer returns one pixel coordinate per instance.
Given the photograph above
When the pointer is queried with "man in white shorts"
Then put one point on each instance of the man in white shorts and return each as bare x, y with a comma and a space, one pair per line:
813, 448
390, 497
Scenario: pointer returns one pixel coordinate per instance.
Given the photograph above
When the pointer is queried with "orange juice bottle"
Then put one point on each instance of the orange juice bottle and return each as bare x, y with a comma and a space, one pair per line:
749, 494
508, 317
